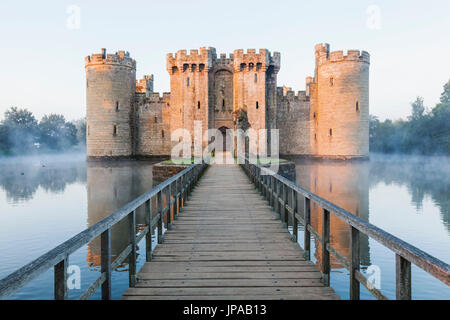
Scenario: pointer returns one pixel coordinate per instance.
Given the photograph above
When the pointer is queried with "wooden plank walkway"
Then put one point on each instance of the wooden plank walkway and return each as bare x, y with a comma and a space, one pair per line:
228, 244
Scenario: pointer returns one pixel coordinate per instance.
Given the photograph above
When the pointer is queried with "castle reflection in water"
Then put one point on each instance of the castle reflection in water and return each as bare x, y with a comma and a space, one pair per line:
110, 186
345, 185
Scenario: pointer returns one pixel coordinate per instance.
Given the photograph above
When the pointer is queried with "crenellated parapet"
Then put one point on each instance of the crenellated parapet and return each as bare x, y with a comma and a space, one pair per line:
145, 85
223, 60
120, 58
253, 61
287, 94
196, 61
323, 55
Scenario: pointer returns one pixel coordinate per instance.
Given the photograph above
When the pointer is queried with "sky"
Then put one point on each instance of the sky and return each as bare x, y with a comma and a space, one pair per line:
43, 44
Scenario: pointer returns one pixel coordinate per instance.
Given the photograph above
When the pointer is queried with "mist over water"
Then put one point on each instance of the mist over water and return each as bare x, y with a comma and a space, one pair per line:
45, 200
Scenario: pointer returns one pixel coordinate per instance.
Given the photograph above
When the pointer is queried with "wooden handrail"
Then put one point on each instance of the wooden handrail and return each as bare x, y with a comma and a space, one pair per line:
58, 257
264, 179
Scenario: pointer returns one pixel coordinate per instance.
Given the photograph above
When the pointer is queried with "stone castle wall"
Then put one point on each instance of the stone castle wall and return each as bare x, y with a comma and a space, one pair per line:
152, 124
125, 118
293, 122
110, 94
341, 103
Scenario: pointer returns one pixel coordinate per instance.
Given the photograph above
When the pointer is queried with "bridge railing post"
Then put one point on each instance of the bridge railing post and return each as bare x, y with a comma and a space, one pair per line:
160, 219
175, 197
354, 263
132, 241
168, 207
294, 200
60, 278
307, 223
402, 278
272, 184
325, 241
106, 263
148, 237
285, 213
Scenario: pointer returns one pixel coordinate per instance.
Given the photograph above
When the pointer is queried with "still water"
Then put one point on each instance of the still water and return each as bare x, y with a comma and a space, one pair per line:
45, 201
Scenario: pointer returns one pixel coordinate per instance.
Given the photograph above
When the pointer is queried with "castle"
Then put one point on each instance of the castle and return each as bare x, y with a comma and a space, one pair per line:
127, 119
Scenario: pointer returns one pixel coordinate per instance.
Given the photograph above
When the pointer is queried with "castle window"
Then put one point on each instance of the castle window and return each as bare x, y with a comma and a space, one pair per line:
174, 70
223, 104
156, 119
117, 106
331, 132
257, 104
331, 81
357, 106
198, 105
193, 67
256, 77
258, 66
187, 82
115, 130
88, 130
250, 66
201, 66
185, 67
314, 115
162, 133
315, 136
223, 83
242, 66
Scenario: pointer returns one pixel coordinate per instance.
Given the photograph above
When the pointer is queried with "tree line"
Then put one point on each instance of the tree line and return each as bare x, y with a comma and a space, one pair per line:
425, 131
22, 133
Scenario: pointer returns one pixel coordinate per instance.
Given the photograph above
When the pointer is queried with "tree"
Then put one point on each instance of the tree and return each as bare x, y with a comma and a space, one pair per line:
80, 124
56, 133
418, 109
20, 131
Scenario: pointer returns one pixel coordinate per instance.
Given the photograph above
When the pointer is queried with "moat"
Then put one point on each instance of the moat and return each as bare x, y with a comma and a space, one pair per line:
45, 201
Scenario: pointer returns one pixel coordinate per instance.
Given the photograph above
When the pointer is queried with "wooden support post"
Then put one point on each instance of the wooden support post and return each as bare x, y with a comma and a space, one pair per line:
183, 191
354, 263
132, 241
60, 276
325, 252
307, 234
106, 263
284, 214
169, 207
148, 237
402, 278
294, 211
175, 196
160, 220
264, 186
272, 190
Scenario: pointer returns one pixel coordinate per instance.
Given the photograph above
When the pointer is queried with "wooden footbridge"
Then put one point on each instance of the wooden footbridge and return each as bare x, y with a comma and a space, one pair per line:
228, 239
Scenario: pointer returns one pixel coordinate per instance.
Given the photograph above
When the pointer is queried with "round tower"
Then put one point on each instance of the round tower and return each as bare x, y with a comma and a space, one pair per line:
340, 111
110, 93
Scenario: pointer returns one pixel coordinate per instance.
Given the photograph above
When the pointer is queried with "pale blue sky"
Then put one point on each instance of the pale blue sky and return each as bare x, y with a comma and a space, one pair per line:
42, 61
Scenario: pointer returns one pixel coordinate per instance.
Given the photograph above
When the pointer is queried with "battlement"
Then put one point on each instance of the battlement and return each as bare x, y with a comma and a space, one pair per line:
145, 85
196, 60
250, 60
284, 93
323, 55
224, 60
152, 97
120, 58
